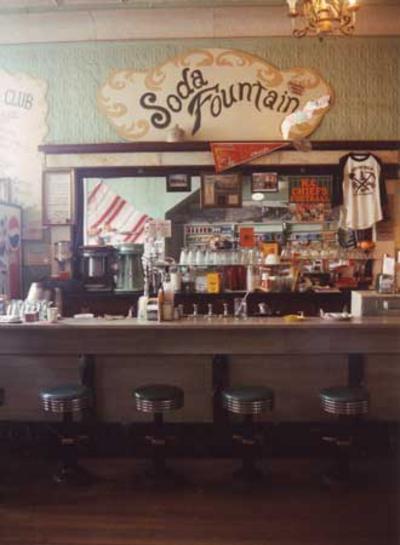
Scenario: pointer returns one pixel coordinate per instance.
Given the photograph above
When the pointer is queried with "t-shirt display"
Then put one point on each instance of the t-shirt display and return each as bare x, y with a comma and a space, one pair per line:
360, 189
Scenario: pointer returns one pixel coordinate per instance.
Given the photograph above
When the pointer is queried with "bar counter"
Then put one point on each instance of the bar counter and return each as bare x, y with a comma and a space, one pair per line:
202, 356
369, 335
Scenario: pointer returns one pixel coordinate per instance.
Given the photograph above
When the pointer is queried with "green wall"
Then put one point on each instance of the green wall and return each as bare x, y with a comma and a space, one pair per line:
365, 73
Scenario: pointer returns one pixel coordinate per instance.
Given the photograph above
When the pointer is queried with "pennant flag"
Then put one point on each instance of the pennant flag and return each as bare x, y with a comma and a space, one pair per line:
230, 154
109, 214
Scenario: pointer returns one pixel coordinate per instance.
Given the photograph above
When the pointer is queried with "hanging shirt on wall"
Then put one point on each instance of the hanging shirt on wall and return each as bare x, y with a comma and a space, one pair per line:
360, 189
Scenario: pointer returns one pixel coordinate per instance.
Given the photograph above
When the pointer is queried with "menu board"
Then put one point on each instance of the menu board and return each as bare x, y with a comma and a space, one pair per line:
57, 197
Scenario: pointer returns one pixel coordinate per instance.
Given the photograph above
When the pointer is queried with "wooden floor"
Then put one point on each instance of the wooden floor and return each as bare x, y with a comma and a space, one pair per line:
120, 510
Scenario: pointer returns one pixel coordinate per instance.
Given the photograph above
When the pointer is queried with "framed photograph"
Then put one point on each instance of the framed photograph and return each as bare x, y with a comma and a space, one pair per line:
221, 191
179, 182
264, 182
58, 197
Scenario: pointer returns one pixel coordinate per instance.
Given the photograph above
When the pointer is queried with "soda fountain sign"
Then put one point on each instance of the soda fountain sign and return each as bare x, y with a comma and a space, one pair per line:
215, 94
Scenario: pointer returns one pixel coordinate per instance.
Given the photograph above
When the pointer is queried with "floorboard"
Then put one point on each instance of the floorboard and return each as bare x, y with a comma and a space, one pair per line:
291, 508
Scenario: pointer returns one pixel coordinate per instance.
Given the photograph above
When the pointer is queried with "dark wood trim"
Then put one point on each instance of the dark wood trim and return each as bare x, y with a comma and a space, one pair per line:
390, 170
220, 381
123, 147
132, 147
356, 370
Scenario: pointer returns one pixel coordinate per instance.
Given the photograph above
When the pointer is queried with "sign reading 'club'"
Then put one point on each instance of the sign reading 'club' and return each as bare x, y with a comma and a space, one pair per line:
214, 94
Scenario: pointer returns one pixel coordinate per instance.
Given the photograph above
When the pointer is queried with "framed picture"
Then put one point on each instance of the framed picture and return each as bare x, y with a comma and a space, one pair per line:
264, 182
58, 197
221, 191
179, 182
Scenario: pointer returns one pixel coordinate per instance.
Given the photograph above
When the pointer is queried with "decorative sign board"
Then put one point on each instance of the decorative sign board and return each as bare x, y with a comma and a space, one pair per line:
23, 111
215, 94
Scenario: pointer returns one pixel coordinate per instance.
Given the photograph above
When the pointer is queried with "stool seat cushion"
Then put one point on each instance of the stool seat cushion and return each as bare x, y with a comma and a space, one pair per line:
158, 392
344, 394
65, 392
248, 394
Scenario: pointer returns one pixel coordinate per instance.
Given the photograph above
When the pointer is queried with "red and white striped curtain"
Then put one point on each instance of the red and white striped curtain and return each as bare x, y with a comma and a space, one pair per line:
112, 218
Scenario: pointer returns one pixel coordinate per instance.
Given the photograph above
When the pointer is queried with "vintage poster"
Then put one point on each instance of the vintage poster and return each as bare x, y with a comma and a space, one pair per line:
23, 112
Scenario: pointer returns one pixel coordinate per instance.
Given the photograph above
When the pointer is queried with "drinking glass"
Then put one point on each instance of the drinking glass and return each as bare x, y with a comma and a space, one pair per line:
191, 258
183, 258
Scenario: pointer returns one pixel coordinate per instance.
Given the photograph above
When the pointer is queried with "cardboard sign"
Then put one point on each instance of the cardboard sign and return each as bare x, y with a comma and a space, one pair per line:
310, 189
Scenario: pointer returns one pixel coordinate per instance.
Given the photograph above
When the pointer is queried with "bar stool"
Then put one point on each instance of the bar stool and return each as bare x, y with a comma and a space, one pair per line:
158, 399
248, 401
349, 404
68, 400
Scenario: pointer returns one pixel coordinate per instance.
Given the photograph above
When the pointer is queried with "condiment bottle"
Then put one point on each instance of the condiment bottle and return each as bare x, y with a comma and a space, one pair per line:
160, 303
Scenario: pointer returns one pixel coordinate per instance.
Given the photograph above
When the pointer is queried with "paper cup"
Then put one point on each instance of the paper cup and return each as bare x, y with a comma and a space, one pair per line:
52, 314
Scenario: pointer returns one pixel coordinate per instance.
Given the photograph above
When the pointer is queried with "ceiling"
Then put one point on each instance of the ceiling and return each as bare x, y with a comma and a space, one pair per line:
15, 6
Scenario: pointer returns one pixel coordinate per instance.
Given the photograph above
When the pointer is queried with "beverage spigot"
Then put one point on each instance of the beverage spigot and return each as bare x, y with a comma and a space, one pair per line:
210, 310
226, 310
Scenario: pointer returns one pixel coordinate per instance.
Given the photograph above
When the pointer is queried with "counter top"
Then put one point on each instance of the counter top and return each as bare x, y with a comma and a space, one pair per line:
205, 323
252, 336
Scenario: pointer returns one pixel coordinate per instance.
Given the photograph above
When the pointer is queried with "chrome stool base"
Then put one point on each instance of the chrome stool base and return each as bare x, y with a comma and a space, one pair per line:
158, 399
248, 402
66, 401
349, 404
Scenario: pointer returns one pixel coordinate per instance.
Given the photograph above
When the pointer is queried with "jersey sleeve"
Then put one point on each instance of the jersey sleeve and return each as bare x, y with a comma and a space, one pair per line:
382, 190
337, 189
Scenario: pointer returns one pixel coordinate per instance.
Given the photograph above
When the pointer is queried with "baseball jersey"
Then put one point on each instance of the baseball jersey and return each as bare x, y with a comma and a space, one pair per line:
360, 189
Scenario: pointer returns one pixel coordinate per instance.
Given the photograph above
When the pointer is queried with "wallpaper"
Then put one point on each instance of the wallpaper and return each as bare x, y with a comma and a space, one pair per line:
364, 72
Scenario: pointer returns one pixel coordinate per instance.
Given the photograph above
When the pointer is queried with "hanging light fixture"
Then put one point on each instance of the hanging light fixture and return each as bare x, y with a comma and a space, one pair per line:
322, 17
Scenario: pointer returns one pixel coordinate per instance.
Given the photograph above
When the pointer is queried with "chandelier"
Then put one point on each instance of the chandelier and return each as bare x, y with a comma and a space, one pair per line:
322, 17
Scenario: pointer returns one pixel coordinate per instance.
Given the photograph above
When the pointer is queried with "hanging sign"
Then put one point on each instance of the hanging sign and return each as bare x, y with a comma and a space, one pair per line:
215, 94
230, 154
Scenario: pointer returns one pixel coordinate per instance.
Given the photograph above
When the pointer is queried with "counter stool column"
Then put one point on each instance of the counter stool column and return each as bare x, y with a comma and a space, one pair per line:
68, 400
158, 399
248, 402
349, 404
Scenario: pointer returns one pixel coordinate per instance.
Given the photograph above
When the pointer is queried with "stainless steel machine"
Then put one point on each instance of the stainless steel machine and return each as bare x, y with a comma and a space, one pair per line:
129, 267
98, 267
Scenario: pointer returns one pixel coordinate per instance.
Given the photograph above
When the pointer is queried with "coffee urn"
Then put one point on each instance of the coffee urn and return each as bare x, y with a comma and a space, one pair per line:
129, 267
